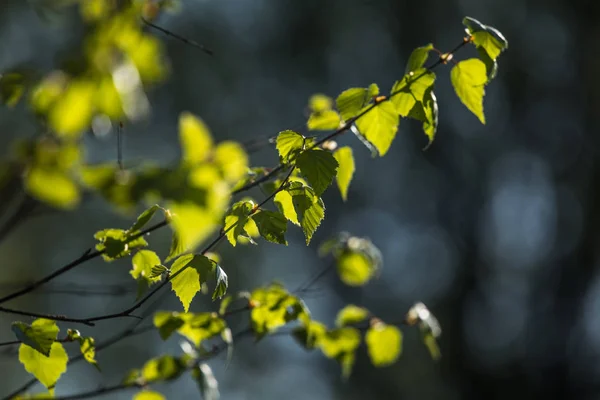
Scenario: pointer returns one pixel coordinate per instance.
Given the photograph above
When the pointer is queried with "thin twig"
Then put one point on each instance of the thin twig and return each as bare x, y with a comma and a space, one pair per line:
179, 37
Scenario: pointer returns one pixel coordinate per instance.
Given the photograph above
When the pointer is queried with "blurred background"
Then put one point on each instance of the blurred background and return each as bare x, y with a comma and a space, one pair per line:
496, 228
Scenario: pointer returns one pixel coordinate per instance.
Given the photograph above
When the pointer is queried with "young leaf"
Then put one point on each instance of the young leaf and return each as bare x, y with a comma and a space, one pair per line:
283, 201
232, 160
117, 243
288, 144
202, 326
222, 284
341, 344
148, 395
273, 307
144, 263
209, 387
351, 101
324, 120
87, 346
144, 218
490, 43
46, 369
355, 269
319, 103
379, 126
411, 89
237, 217
427, 112
271, 226
418, 58
12, 87
196, 140
52, 186
345, 160
186, 284
39, 335
384, 343
163, 368
309, 208
351, 315
167, 323
373, 90
191, 223
468, 79
318, 167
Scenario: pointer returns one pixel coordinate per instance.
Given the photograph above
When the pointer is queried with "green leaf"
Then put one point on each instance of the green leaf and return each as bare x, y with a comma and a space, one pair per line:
167, 322
384, 344
288, 144
71, 113
351, 315
271, 226
222, 283
351, 102
432, 346
354, 268
148, 395
144, 218
418, 58
427, 112
373, 90
39, 335
341, 344
87, 346
209, 387
411, 89
191, 224
232, 160
144, 263
196, 140
46, 369
486, 38
345, 159
163, 368
319, 103
309, 208
309, 334
468, 79
237, 217
117, 243
186, 284
157, 271
283, 201
379, 126
273, 307
324, 120
52, 186
318, 167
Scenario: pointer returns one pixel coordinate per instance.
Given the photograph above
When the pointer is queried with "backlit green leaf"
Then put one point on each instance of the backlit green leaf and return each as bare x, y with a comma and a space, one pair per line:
162, 368
39, 335
486, 38
345, 159
351, 102
427, 112
196, 269
468, 79
144, 218
283, 201
318, 167
237, 218
309, 208
167, 322
117, 243
384, 343
46, 369
319, 103
271, 226
354, 268
273, 307
411, 89
418, 58
341, 344
143, 262
72, 112
12, 87
52, 186
196, 140
148, 395
379, 126
324, 120
288, 144
232, 160
351, 315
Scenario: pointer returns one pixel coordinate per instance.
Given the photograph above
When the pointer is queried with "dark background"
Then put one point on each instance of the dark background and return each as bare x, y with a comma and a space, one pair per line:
496, 227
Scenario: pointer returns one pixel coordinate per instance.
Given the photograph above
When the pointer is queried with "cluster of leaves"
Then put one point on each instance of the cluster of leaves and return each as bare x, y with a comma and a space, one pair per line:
121, 60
